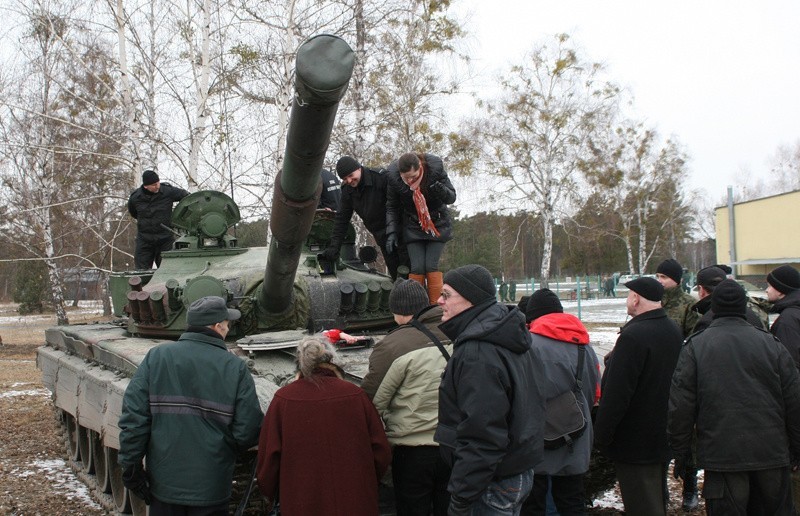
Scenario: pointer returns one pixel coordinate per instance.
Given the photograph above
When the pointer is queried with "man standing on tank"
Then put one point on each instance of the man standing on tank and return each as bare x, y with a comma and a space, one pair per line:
331, 197
151, 206
189, 410
363, 192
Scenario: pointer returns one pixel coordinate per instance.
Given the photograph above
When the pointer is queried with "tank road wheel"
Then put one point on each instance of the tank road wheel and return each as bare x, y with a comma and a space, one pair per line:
72, 437
138, 507
99, 458
118, 492
85, 447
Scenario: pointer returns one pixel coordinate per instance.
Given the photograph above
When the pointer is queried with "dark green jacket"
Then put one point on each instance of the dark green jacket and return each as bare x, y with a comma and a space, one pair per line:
189, 409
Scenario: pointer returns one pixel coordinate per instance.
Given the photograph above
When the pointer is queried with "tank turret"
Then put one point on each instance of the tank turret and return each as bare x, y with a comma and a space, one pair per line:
281, 290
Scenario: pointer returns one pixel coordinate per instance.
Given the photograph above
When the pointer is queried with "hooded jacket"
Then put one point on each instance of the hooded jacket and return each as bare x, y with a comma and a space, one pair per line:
787, 326
491, 409
556, 339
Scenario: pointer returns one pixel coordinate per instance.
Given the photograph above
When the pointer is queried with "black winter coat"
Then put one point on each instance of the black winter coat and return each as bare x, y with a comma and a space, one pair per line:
491, 409
703, 308
368, 200
787, 326
153, 211
401, 214
739, 388
631, 422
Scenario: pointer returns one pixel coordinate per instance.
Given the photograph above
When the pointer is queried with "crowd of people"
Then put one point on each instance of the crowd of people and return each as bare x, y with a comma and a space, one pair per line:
480, 406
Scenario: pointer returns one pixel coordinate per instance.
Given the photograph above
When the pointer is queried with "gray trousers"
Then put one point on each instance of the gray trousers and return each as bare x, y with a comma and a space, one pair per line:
642, 488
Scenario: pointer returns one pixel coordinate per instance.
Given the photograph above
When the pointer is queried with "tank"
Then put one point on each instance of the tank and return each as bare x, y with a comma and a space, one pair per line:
283, 291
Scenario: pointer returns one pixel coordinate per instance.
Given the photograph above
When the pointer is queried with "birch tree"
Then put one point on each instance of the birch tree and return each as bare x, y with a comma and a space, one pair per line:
537, 133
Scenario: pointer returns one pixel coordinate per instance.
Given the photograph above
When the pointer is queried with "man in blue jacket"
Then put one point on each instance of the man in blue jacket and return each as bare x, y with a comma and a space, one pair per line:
190, 409
491, 409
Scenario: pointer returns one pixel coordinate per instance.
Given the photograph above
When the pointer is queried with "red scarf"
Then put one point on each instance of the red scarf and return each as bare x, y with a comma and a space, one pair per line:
424, 216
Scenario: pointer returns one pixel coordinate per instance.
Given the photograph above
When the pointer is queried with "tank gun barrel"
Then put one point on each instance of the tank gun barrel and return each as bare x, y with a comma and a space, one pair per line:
323, 68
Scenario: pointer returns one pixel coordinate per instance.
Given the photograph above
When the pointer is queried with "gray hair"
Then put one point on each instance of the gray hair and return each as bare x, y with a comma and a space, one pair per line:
313, 351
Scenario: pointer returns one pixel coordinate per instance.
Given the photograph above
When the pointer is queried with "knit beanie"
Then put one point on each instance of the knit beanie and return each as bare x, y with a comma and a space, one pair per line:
729, 299
648, 288
407, 297
670, 267
473, 282
784, 279
710, 277
149, 178
346, 166
544, 301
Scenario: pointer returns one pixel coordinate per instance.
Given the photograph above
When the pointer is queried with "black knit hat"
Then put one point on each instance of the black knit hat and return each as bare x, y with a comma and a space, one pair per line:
729, 299
670, 267
648, 288
473, 282
149, 178
544, 301
408, 297
784, 279
346, 166
710, 277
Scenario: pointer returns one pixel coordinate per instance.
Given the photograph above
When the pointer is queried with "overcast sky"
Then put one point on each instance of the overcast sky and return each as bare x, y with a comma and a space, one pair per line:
722, 76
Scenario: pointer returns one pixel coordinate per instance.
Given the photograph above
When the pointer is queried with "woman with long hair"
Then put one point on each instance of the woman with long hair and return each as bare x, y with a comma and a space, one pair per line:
322, 448
416, 208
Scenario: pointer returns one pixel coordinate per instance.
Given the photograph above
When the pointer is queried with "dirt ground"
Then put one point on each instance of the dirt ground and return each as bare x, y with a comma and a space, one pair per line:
35, 478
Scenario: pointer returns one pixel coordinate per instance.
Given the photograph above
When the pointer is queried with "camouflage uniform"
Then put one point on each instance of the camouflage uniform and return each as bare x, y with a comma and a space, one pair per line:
678, 305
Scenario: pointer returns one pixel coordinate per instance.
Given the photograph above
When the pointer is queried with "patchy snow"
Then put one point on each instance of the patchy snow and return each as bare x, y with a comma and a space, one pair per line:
608, 500
29, 392
85, 307
60, 476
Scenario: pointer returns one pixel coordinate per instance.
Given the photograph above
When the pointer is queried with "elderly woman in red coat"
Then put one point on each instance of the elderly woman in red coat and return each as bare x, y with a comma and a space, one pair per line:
322, 448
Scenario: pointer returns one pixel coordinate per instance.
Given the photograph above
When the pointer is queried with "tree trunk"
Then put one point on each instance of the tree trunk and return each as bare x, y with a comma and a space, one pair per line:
547, 249
201, 89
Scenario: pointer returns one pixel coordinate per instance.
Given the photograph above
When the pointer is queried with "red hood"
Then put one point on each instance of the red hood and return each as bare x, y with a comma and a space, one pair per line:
559, 326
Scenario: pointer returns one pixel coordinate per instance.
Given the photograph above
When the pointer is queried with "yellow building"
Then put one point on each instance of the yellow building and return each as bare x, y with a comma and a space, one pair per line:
766, 234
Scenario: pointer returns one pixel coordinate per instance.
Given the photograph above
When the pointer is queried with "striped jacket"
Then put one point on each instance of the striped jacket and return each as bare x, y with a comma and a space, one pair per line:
189, 409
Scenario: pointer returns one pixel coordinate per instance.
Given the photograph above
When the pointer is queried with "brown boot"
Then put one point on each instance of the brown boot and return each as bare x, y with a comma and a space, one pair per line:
434, 286
419, 278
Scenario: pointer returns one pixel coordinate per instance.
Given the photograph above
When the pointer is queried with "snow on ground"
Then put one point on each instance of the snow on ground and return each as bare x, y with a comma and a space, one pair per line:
60, 476
85, 307
29, 392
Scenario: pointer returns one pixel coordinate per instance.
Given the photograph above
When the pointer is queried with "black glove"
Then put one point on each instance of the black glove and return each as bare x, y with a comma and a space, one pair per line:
330, 254
438, 190
679, 469
391, 243
459, 507
135, 479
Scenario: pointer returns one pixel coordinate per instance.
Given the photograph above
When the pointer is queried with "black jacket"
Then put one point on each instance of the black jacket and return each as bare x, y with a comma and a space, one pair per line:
787, 326
368, 200
401, 214
331, 196
703, 309
631, 423
739, 388
491, 410
153, 211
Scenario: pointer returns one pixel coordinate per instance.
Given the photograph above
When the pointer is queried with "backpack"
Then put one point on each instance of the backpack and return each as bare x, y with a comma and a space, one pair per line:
564, 419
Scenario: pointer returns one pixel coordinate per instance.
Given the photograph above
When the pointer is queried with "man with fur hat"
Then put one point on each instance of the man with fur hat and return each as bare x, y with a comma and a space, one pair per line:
405, 369
707, 280
491, 409
677, 303
151, 206
558, 341
190, 431
631, 423
783, 290
739, 389
363, 192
